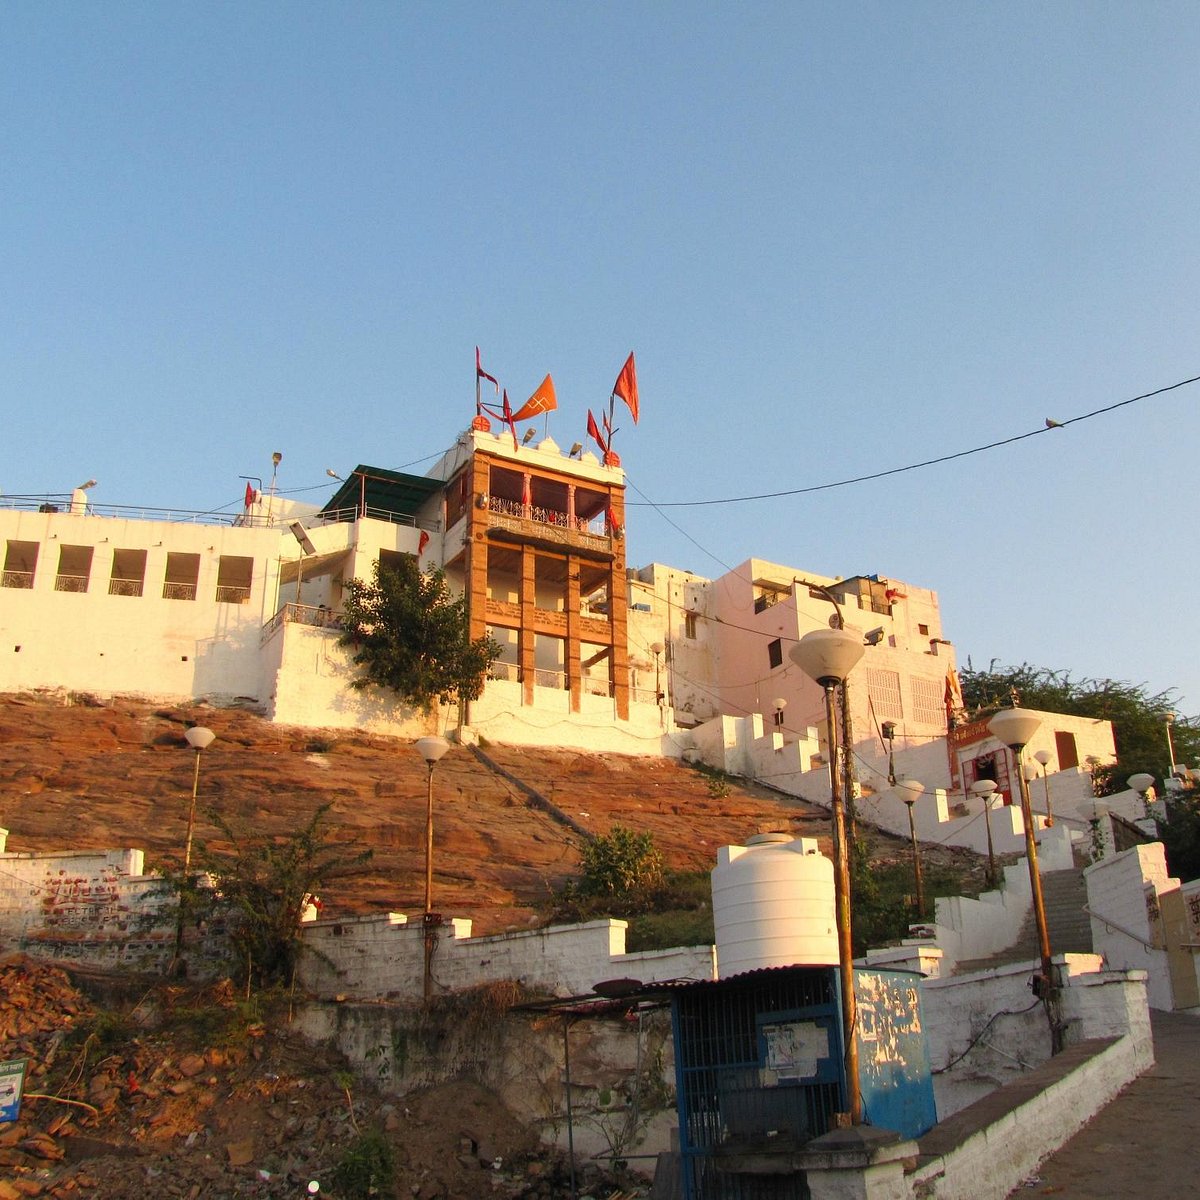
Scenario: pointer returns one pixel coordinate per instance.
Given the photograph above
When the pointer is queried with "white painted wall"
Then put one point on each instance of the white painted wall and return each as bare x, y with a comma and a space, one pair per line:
1123, 894
384, 956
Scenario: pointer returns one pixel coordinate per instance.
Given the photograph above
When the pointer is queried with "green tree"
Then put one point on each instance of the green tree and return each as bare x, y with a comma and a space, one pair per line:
619, 862
262, 886
1139, 717
408, 633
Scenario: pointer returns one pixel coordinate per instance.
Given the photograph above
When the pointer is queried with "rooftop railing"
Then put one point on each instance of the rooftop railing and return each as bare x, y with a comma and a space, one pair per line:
54, 503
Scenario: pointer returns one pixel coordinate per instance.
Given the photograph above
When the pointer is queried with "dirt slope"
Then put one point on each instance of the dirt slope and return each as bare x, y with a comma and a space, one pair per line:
120, 774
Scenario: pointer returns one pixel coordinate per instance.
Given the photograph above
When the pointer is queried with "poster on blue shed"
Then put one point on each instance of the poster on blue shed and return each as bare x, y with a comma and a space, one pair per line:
12, 1084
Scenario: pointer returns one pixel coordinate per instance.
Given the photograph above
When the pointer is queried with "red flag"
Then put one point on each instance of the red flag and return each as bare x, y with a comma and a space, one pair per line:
250, 494
543, 400
594, 432
626, 386
422, 542
480, 373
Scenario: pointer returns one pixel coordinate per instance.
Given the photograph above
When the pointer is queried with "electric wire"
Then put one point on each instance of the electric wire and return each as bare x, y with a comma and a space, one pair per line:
929, 462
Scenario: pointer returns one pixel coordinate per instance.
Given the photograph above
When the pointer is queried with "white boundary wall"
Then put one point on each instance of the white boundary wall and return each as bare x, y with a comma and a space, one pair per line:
383, 956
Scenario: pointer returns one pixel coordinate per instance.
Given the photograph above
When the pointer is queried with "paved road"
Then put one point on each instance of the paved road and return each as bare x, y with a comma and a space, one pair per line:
1145, 1144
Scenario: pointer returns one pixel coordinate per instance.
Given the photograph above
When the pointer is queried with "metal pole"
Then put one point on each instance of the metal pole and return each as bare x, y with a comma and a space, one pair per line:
1046, 789
567, 1086
428, 922
841, 885
912, 829
1047, 991
187, 862
987, 821
1170, 741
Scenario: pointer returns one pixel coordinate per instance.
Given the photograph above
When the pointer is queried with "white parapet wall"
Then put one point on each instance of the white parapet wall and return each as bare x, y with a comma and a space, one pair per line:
1124, 903
383, 956
986, 1028
91, 908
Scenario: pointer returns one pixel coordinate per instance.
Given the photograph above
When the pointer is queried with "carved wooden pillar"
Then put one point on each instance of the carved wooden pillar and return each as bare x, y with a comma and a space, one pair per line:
574, 670
527, 640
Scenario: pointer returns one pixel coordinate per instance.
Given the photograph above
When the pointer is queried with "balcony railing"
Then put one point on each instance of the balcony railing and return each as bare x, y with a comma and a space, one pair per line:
124, 587
317, 616
71, 583
179, 591
232, 595
17, 579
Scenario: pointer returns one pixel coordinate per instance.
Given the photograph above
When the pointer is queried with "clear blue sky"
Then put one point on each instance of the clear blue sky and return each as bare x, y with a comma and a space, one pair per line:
840, 239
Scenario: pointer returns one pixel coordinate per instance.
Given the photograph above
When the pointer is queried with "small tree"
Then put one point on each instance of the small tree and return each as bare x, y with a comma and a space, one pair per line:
262, 886
408, 633
621, 862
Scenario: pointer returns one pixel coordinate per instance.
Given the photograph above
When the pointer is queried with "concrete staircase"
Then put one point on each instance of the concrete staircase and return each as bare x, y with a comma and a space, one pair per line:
1065, 895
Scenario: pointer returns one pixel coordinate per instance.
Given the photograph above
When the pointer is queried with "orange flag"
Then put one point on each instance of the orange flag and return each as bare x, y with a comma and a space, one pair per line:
626, 386
543, 400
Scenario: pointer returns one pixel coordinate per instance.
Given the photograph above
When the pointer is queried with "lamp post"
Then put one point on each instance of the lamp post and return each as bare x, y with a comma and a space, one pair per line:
1141, 783
657, 647
985, 789
780, 703
199, 738
1014, 727
910, 790
1170, 720
888, 730
431, 750
1043, 757
828, 656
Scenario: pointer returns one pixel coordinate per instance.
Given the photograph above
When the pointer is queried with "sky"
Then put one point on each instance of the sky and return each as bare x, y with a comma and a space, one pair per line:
841, 239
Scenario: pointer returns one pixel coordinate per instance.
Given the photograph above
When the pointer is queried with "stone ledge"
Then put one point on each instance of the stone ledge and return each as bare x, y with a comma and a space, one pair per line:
976, 1118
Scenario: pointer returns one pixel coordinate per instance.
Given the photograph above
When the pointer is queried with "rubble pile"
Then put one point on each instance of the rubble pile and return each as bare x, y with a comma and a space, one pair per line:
180, 1096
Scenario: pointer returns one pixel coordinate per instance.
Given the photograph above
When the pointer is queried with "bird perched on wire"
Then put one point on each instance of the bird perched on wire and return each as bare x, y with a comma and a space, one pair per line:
1051, 423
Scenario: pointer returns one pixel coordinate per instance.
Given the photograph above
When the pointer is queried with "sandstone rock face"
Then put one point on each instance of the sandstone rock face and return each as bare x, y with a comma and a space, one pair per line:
120, 775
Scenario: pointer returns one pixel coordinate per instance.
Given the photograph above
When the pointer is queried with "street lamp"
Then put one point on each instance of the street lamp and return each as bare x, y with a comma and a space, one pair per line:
910, 790
828, 656
199, 739
1170, 720
888, 730
1141, 783
985, 789
431, 750
1014, 727
780, 703
657, 647
1043, 757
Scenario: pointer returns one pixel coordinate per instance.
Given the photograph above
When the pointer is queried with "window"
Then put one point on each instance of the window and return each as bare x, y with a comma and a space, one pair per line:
928, 697
74, 568
689, 625
1068, 752
128, 573
775, 653
923, 630
20, 561
884, 689
234, 575
183, 574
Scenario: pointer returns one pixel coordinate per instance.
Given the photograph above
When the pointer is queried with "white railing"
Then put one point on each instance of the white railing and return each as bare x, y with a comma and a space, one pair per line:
510, 672
550, 679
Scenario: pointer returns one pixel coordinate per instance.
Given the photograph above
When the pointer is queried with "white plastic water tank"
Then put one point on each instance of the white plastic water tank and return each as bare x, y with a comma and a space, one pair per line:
773, 905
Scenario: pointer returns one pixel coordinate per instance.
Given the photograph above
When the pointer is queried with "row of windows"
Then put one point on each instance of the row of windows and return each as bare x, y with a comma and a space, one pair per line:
884, 690
127, 572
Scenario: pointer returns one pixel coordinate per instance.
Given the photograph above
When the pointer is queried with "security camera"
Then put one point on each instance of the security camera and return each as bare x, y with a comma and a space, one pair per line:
874, 637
